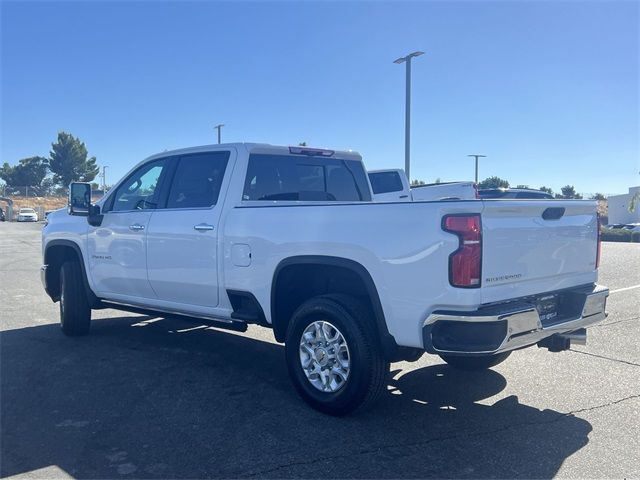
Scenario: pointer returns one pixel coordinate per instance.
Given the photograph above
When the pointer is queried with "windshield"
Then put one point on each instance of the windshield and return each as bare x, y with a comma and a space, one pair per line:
27, 210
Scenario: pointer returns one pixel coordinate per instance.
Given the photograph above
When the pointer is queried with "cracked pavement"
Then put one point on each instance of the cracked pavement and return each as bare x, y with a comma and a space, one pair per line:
149, 398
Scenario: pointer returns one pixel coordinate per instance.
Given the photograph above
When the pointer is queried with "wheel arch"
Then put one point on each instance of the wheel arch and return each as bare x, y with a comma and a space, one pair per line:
285, 300
56, 252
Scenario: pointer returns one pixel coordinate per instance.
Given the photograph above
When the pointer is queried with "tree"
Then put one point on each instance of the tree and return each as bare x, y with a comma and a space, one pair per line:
303, 144
522, 186
493, 182
598, 196
415, 182
568, 191
28, 172
68, 161
437, 180
633, 204
546, 189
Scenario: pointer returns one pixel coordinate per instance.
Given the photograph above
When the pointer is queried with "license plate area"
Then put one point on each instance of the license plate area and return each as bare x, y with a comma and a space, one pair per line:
547, 307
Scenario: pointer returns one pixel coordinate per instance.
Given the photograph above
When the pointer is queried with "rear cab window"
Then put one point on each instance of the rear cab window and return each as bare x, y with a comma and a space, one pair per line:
385, 182
305, 178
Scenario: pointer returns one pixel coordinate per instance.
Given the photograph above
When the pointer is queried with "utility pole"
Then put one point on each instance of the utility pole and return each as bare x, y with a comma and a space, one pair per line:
407, 111
477, 157
219, 127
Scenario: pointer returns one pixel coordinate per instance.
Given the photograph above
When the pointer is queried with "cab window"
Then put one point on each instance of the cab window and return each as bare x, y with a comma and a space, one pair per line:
385, 182
197, 180
140, 190
291, 177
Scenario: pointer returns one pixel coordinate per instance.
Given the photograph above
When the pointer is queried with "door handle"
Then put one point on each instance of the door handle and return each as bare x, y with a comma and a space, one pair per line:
136, 227
203, 227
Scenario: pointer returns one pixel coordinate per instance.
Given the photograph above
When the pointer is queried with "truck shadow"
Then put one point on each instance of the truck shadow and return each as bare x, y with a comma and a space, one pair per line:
148, 398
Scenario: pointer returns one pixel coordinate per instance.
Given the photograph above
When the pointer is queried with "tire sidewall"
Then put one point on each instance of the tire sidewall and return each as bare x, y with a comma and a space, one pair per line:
75, 313
65, 286
355, 388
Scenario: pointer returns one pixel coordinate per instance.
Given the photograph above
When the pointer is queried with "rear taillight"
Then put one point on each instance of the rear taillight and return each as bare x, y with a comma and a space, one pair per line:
599, 242
465, 263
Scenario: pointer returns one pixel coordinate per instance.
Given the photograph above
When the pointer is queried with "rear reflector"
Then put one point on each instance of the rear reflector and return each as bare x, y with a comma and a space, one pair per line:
465, 263
311, 151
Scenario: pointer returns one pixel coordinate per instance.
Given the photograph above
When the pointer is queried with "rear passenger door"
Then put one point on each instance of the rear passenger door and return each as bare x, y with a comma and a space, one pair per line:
182, 237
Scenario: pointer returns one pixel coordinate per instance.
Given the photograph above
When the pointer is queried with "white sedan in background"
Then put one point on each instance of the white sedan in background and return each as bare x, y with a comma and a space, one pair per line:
27, 215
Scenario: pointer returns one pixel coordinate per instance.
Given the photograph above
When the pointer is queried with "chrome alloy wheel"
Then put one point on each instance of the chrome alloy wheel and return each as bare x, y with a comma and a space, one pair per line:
324, 356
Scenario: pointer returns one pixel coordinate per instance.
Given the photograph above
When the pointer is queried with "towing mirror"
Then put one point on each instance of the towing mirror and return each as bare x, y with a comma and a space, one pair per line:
79, 199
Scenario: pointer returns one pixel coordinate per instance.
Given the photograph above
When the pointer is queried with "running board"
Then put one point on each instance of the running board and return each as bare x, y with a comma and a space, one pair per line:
213, 322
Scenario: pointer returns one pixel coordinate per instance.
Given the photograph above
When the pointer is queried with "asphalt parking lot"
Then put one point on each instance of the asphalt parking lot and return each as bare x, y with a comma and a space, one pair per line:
149, 398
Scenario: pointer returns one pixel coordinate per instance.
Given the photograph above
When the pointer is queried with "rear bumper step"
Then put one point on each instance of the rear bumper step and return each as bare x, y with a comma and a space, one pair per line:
508, 326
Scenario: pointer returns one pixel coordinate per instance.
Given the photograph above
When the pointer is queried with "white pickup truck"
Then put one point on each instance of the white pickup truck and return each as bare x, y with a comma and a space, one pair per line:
391, 185
289, 238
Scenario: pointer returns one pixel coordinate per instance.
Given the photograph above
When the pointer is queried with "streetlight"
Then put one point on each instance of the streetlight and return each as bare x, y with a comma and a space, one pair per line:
104, 178
219, 127
407, 112
477, 157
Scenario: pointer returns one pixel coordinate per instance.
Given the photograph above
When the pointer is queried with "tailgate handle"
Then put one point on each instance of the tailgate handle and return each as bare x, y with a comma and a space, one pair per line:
553, 213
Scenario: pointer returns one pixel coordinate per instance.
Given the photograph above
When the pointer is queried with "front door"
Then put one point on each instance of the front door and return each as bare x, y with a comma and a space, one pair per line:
182, 238
117, 248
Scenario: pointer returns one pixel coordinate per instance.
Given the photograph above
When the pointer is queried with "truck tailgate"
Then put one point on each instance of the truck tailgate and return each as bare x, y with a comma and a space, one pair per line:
536, 246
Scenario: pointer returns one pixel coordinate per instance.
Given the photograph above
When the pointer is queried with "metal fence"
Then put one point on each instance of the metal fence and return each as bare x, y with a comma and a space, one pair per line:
41, 199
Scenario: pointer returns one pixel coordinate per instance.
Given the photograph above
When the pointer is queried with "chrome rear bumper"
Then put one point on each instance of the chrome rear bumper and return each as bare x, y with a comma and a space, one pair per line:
511, 325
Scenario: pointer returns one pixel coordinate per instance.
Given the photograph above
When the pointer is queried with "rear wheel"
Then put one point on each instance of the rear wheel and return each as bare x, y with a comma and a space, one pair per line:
333, 354
475, 362
75, 313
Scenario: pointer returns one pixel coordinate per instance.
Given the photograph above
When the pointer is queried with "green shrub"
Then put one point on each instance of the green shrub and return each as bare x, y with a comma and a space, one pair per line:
619, 235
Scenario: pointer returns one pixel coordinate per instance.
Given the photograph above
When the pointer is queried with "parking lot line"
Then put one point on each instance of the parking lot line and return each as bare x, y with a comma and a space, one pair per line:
624, 289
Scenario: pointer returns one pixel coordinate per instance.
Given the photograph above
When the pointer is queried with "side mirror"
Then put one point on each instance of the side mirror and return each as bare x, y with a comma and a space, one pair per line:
95, 217
79, 199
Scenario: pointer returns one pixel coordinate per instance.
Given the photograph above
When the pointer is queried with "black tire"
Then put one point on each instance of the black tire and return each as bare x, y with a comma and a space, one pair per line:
368, 367
475, 363
75, 313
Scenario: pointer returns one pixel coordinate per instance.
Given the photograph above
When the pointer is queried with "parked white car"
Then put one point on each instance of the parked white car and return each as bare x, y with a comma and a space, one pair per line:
27, 215
391, 185
289, 238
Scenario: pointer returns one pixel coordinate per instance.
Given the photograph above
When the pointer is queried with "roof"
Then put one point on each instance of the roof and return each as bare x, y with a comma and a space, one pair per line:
252, 147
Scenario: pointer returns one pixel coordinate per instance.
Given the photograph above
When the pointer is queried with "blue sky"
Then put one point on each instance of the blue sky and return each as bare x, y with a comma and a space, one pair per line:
547, 90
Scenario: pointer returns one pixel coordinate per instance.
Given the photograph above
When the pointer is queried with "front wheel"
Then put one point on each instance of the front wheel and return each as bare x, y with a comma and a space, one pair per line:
75, 313
475, 363
333, 355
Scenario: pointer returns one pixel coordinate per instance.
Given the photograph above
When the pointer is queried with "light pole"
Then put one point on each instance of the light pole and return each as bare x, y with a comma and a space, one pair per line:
104, 179
219, 127
477, 157
407, 112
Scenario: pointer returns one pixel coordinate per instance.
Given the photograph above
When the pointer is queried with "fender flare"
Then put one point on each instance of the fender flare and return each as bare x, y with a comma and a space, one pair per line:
93, 299
389, 345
